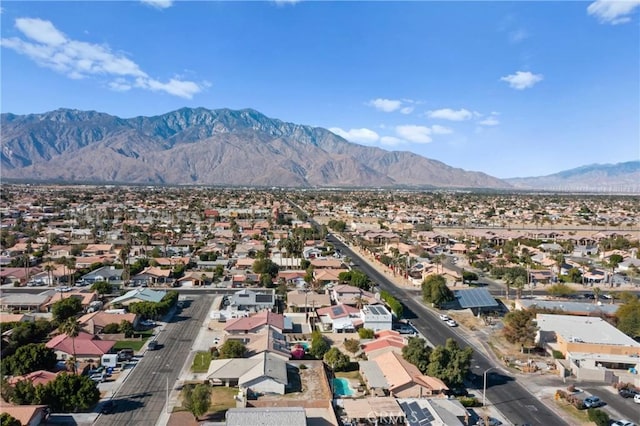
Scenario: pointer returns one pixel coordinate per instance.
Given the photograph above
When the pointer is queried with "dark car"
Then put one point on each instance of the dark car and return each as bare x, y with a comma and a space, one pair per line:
108, 407
627, 393
125, 354
153, 345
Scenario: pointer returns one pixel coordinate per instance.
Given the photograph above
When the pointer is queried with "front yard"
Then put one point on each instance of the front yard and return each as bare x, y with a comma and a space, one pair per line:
135, 343
201, 362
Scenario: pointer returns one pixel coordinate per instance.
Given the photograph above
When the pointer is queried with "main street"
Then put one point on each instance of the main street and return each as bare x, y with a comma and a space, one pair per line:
144, 394
508, 396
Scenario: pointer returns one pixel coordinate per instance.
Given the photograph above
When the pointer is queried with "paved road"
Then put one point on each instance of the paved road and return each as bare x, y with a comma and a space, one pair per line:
628, 409
142, 397
508, 396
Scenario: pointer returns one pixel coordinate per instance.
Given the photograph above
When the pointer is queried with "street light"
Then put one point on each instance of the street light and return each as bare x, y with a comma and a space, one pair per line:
484, 386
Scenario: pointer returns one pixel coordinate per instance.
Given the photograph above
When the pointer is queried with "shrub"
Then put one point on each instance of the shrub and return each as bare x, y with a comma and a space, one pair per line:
352, 345
599, 417
469, 401
557, 354
302, 367
366, 333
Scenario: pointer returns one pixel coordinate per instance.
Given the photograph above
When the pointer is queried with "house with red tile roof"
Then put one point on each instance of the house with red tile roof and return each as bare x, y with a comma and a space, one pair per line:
339, 318
255, 323
85, 345
403, 379
29, 415
94, 322
40, 377
385, 341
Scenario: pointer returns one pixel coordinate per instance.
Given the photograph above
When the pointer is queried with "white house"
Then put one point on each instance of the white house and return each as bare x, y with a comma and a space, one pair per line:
262, 373
376, 317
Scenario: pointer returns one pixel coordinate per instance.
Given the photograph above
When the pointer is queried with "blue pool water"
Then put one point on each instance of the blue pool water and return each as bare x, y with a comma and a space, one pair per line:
341, 387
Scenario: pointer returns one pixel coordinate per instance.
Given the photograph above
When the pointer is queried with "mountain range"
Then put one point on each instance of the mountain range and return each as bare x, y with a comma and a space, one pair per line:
209, 147
617, 178
224, 147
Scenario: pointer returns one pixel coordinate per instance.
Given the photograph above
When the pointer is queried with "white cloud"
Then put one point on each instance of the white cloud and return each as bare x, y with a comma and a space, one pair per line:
357, 135
489, 121
518, 35
386, 105
158, 4
440, 130
413, 133
407, 110
613, 12
50, 48
522, 79
450, 114
391, 141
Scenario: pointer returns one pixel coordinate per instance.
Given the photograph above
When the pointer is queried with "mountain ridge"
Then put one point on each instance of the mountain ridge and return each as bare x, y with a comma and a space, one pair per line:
598, 177
217, 147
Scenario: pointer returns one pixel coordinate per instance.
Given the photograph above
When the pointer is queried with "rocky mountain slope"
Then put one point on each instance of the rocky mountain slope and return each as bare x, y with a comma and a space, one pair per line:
620, 177
209, 147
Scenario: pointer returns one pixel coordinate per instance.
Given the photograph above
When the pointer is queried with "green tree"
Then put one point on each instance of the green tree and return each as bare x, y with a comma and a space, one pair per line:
29, 358
560, 290
71, 327
519, 327
319, 345
126, 328
417, 353
232, 349
66, 308
112, 328
450, 363
24, 393
352, 345
336, 359
468, 277
265, 266
394, 304
197, 399
435, 290
7, 420
628, 318
70, 393
102, 287
574, 275
366, 333
599, 417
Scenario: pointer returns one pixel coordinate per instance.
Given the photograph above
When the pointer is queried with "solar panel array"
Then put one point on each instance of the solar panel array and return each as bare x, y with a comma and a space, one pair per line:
264, 298
416, 415
337, 310
377, 310
476, 298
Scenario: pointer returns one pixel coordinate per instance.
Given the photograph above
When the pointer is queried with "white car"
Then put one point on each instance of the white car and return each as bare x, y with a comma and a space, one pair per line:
452, 323
636, 398
444, 317
63, 289
148, 323
623, 423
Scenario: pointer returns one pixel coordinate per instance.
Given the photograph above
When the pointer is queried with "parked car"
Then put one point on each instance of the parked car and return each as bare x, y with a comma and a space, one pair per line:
491, 421
592, 402
444, 317
98, 378
627, 393
125, 354
63, 289
452, 323
148, 323
623, 423
636, 398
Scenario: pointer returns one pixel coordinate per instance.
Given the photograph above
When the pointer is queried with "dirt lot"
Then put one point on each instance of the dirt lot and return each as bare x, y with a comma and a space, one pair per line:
309, 384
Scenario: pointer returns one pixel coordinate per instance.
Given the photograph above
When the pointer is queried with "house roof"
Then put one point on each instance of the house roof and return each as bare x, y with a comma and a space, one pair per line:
144, 295
102, 318
300, 298
266, 416
85, 298
248, 369
23, 413
40, 377
85, 344
255, 321
584, 330
337, 311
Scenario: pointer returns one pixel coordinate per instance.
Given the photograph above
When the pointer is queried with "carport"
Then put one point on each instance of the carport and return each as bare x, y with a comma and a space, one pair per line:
479, 300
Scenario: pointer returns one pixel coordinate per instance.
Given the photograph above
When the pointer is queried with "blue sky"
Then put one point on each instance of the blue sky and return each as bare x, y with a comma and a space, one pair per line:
507, 88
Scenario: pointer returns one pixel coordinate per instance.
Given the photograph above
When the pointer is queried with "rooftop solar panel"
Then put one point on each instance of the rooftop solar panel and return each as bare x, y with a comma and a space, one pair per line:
475, 298
264, 298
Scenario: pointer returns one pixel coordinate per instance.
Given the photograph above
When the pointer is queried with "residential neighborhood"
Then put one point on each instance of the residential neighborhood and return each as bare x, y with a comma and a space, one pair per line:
321, 307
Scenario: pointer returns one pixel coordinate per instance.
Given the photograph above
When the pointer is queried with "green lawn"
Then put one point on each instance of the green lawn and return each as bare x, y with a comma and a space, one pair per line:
136, 344
201, 362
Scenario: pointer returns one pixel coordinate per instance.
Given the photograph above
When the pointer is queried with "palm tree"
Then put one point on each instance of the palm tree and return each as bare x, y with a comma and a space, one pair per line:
519, 284
596, 294
71, 327
124, 259
49, 268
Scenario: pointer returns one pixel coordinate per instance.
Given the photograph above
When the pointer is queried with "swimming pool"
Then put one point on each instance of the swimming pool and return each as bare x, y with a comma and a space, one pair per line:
341, 387
305, 345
